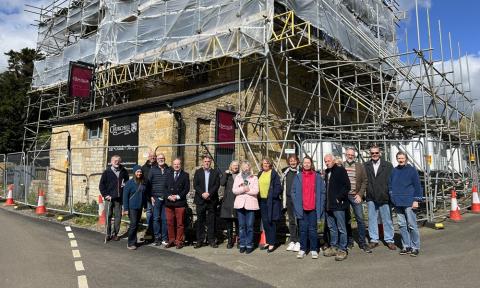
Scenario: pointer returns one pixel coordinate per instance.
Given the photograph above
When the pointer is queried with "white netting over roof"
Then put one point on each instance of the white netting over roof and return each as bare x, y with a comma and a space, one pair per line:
148, 30
186, 31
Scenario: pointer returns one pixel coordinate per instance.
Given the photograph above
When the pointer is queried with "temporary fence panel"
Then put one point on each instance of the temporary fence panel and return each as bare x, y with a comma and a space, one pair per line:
41, 165
3, 174
88, 164
15, 174
318, 148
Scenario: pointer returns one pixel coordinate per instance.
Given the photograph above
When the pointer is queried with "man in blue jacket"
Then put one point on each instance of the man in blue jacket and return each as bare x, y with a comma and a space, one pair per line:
405, 193
111, 186
337, 188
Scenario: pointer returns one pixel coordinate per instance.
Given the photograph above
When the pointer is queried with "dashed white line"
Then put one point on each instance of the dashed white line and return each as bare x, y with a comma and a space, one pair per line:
82, 281
73, 243
71, 236
76, 253
68, 228
79, 266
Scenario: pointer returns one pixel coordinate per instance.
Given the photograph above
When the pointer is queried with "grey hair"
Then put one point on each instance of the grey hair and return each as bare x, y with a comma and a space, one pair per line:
329, 155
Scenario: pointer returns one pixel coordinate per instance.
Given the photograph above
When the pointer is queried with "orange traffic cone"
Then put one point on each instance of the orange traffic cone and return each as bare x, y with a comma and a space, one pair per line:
101, 211
41, 203
262, 241
475, 201
455, 210
10, 201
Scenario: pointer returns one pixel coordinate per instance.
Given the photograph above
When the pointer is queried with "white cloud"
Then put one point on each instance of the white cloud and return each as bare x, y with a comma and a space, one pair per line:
16, 26
406, 5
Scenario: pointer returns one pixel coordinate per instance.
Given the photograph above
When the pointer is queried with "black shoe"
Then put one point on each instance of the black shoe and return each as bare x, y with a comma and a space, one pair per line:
414, 253
230, 244
198, 245
350, 245
249, 250
213, 245
270, 250
264, 247
157, 242
405, 251
242, 249
366, 249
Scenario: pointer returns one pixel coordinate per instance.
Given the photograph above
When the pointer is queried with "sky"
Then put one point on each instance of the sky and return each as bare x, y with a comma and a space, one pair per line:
460, 17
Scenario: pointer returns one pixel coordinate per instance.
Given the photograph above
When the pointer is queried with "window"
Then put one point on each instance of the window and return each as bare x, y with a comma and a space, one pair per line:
94, 130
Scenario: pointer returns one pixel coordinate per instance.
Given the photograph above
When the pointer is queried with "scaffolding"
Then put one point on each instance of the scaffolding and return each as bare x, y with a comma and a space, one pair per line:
316, 70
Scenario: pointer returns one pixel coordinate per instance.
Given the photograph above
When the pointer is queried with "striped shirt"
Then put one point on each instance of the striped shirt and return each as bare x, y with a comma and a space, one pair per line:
351, 171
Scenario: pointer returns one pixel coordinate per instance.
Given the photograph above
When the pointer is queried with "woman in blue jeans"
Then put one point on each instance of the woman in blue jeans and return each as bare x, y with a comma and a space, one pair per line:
245, 187
405, 193
308, 196
134, 200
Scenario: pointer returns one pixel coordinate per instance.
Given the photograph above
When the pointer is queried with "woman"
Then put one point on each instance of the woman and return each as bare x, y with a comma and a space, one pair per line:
227, 211
308, 195
270, 189
245, 187
134, 199
405, 193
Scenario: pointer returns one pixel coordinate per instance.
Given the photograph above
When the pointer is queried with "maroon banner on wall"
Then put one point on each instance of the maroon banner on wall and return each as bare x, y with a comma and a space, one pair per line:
225, 130
80, 80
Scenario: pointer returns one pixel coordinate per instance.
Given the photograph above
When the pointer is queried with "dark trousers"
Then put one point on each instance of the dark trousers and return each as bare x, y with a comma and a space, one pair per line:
232, 228
269, 227
175, 223
206, 216
292, 221
114, 210
134, 215
308, 231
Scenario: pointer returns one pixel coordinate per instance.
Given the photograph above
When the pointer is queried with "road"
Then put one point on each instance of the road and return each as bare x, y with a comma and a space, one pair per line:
37, 253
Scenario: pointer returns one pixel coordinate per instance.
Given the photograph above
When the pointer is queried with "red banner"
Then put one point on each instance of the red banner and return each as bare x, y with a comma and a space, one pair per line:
80, 81
225, 128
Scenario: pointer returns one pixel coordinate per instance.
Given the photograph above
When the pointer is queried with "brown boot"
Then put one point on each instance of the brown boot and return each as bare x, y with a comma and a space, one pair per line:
341, 255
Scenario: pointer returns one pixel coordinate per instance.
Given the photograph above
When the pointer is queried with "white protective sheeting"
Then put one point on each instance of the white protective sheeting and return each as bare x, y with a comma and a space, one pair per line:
351, 23
181, 31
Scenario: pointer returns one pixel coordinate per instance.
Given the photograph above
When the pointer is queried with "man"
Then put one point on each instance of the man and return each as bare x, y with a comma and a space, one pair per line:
111, 187
358, 182
149, 213
206, 182
288, 175
378, 173
338, 186
157, 186
178, 186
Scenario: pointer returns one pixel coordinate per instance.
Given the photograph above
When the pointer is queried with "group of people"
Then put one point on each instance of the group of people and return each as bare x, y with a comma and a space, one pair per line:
309, 196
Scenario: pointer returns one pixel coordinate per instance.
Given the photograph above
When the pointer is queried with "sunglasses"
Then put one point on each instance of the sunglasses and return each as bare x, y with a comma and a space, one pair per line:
374, 153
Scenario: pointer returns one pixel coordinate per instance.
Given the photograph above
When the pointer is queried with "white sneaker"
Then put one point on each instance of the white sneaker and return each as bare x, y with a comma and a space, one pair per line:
164, 243
296, 248
300, 254
314, 255
291, 246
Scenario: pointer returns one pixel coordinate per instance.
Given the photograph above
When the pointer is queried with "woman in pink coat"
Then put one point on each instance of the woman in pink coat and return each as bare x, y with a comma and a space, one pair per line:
245, 187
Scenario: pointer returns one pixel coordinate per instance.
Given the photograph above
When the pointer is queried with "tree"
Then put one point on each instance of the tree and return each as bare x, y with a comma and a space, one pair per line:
14, 85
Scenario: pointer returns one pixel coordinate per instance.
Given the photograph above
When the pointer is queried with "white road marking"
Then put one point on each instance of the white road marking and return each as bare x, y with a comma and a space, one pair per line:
71, 236
73, 243
82, 281
68, 228
76, 253
79, 266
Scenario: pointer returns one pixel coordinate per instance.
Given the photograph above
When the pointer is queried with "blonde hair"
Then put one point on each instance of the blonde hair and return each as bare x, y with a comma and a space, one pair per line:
270, 163
249, 166
233, 163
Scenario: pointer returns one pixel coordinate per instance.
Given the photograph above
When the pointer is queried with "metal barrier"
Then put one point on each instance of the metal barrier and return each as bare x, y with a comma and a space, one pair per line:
16, 175
48, 172
3, 175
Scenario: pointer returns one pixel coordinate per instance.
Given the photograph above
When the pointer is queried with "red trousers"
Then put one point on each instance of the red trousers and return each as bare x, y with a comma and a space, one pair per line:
175, 220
